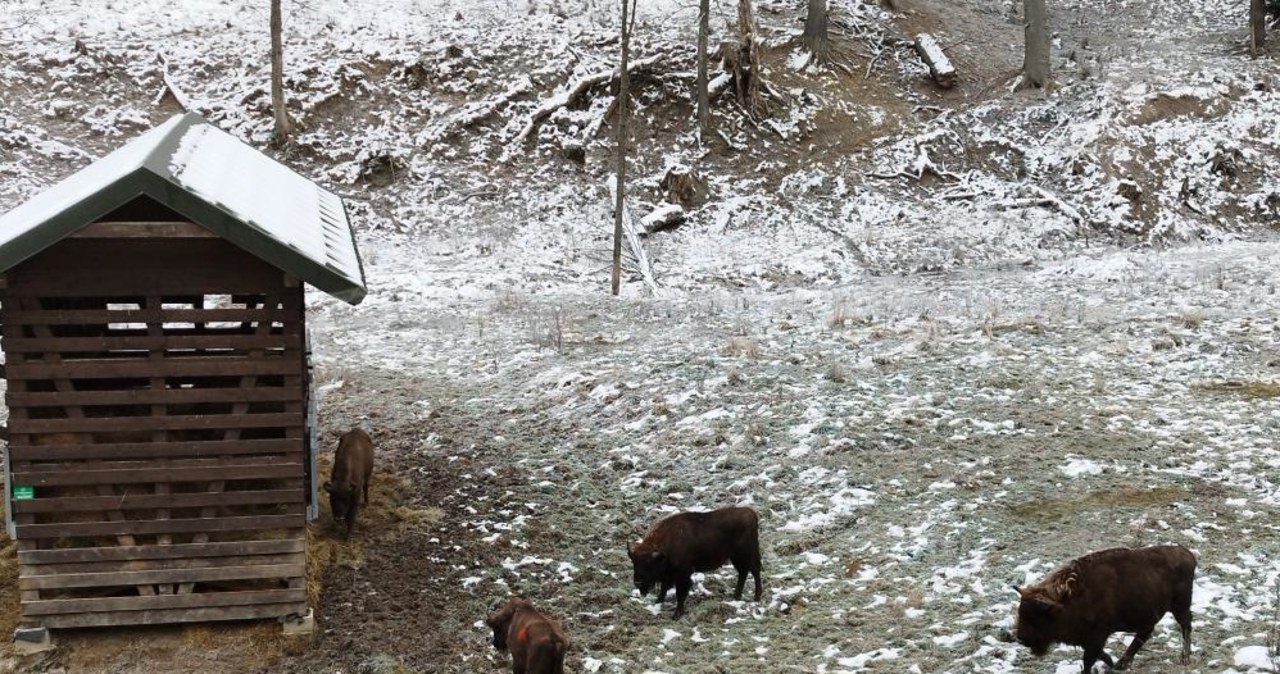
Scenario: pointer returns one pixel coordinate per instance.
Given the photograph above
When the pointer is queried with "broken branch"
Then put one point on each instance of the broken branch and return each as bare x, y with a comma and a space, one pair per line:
575, 93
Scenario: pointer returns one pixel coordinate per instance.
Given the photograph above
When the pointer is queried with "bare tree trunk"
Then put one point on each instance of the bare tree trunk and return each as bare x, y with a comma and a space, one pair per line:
815, 37
704, 33
1257, 26
284, 125
1035, 67
748, 78
624, 89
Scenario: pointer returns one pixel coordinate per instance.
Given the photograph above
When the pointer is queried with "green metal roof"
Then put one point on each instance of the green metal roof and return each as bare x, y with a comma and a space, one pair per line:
215, 180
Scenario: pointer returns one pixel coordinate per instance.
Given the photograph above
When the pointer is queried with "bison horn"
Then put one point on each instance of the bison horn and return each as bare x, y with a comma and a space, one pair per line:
1017, 589
328, 486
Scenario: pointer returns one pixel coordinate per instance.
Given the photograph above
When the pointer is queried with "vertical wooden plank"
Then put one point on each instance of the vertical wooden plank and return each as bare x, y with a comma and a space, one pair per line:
155, 328
295, 322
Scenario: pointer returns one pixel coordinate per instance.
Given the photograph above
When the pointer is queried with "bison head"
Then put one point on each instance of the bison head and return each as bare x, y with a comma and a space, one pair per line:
499, 622
645, 566
1038, 621
341, 499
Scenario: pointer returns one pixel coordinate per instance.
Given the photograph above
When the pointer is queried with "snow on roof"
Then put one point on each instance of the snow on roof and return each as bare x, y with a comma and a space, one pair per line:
261, 192
227, 186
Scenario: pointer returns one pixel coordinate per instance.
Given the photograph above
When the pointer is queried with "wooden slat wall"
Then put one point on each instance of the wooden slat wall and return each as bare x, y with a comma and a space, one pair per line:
157, 407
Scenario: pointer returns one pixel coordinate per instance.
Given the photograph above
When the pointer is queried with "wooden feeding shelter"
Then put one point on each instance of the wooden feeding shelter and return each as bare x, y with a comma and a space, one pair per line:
161, 457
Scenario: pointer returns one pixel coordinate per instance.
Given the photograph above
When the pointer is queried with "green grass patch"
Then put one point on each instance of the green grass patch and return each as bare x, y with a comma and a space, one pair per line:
1057, 509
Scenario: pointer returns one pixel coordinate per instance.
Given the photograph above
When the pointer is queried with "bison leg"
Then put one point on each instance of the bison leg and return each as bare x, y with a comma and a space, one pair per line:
1183, 615
351, 517
1094, 652
754, 567
742, 570
662, 591
682, 593
1138, 639
749, 563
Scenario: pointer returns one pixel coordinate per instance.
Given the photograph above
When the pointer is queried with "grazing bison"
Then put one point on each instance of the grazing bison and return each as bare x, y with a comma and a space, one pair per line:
1116, 590
683, 543
537, 643
348, 486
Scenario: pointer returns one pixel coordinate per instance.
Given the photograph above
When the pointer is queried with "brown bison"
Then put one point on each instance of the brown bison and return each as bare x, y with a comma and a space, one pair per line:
1116, 590
683, 543
348, 485
537, 643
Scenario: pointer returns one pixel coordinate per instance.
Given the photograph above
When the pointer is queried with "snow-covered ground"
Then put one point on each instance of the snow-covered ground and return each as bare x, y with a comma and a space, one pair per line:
915, 442
915, 446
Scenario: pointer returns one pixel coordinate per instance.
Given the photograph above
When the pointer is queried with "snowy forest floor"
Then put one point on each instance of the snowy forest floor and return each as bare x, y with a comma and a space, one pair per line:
930, 389
914, 445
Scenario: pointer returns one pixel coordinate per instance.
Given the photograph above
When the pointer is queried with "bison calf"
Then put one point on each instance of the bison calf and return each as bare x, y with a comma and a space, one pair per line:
348, 485
1116, 590
683, 543
537, 643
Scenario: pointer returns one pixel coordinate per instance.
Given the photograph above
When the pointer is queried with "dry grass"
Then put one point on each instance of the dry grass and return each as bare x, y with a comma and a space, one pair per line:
8, 586
1250, 389
836, 373
1191, 319
1030, 326
384, 514
842, 316
507, 301
742, 347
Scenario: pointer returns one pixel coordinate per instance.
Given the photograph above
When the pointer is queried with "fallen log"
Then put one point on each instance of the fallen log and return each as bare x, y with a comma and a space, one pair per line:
940, 68
1044, 199
662, 218
170, 89
474, 113
633, 241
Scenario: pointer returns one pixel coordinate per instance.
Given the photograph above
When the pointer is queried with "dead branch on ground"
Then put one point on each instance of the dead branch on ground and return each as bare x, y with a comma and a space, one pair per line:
922, 165
575, 93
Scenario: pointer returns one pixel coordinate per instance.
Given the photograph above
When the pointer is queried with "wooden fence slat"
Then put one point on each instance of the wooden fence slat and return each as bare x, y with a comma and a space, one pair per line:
170, 526
147, 501
102, 316
142, 342
166, 463
123, 368
167, 616
176, 551
208, 600
175, 563
201, 474
171, 396
144, 450
149, 423
248, 572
